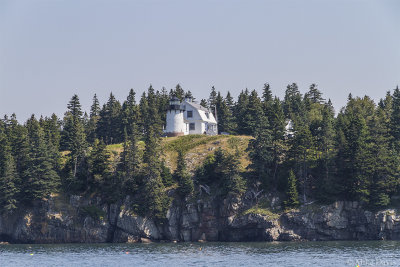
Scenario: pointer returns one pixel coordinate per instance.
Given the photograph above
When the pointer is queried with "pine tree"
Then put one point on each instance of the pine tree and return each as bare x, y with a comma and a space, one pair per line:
354, 153
292, 104
156, 202
302, 152
212, 100
73, 138
277, 127
130, 161
94, 116
185, 182
261, 151
130, 112
395, 118
254, 110
179, 92
314, 95
267, 100
292, 197
240, 112
204, 103
110, 122
98, 165
8, 185
40, 178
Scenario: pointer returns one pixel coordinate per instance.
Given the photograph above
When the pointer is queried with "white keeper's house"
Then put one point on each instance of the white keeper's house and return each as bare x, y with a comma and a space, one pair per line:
188, 117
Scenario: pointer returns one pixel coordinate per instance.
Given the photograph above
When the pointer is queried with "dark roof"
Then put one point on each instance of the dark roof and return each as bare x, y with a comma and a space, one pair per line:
174, 98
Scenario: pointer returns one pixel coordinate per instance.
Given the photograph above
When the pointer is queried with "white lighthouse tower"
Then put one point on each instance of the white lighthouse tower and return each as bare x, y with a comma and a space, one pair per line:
175, 124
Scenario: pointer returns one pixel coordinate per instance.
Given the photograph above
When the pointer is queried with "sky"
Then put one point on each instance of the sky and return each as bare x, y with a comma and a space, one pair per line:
52, 49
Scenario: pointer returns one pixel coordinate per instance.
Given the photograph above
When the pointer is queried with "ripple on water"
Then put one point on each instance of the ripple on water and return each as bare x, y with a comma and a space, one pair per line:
344, 253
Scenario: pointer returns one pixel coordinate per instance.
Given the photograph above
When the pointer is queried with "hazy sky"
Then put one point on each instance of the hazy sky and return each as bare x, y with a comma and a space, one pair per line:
51, 49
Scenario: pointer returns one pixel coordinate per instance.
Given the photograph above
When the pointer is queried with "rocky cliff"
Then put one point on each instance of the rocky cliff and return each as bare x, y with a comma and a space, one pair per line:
87, 220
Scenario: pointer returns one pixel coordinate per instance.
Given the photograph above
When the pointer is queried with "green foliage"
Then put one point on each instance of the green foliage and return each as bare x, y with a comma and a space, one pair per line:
221, 170
94, 212
188, 142
262, 208
8, 186
292, 197
185, 182
354, 156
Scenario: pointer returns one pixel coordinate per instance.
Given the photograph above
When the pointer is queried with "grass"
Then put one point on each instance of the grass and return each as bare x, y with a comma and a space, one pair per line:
262, 211
263, 208
196, 148
188, 142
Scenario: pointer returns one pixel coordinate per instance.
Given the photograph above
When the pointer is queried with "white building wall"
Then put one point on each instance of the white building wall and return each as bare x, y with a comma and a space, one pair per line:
175, 122
178, 122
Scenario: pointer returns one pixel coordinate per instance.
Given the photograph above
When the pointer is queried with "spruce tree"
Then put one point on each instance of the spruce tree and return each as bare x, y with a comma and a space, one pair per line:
261, 151
9, 181
277, 127
240, 113
179, 92
98, 165
185, 182
94, 116
395, 118
110, 122
292, 197
130, 112
292, 104
212, 100
40, 178
130, 161
204, 103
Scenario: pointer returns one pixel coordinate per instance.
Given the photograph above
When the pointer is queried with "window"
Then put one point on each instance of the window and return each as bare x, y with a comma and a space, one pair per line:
191, 127
190, 114
207, 115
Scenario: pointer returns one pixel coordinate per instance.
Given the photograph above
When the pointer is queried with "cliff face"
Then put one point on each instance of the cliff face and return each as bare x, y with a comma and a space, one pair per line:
88, 221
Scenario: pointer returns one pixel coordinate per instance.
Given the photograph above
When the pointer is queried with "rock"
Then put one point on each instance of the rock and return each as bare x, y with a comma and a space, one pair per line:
80, 219
145, 240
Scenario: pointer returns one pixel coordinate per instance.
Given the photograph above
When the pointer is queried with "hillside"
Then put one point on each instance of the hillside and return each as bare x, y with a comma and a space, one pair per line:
196, 148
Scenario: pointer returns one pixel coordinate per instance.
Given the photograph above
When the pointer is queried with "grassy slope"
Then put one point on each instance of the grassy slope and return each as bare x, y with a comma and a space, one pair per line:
196, 148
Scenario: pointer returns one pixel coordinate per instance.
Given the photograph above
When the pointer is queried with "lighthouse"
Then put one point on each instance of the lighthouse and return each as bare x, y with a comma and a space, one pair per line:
175, 124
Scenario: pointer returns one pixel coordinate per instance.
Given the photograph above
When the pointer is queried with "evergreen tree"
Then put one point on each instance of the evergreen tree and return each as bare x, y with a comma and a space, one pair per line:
292, 104
110, 122
179, 92
395, 118
204, 103
212, 100
156, 201
8, 185
130, 113
130, 161
73, 138
277, 128
292, 197
94, 116
40, 178
267, 100
254, 110
354, 153
314, 95
261, 151
185, 182
302, 152
98, 165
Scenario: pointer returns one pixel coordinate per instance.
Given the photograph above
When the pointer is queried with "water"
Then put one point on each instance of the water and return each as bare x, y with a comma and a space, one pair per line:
372, 253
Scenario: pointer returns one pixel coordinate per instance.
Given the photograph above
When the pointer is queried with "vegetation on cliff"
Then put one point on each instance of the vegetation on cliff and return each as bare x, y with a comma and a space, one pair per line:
117, 150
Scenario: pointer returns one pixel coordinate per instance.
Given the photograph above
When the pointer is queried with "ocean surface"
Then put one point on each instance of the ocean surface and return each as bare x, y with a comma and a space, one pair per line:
343, 253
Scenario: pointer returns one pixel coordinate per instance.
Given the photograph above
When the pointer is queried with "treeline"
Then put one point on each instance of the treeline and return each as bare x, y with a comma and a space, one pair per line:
299, 148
